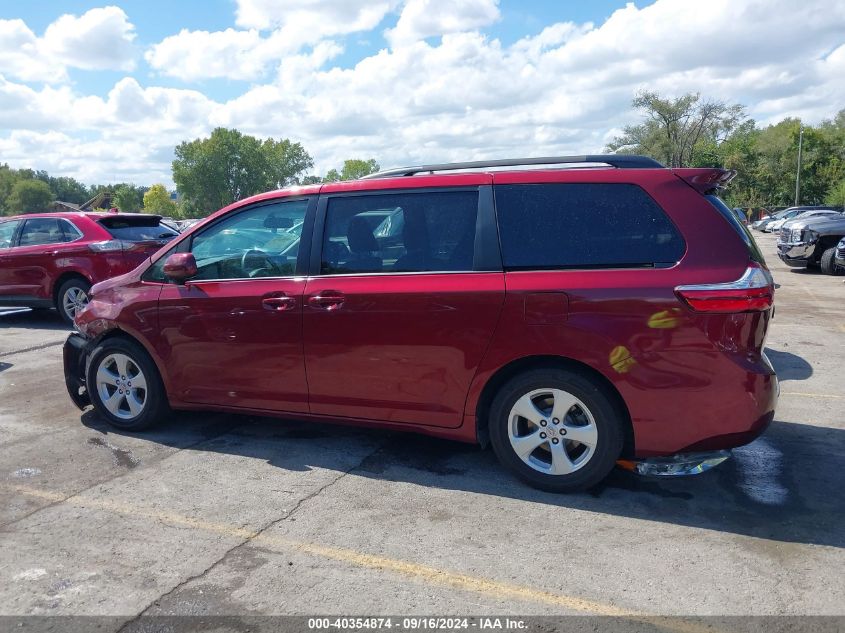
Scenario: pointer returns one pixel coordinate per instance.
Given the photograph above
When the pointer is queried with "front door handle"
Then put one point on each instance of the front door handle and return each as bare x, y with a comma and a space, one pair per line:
278, 303
327, 300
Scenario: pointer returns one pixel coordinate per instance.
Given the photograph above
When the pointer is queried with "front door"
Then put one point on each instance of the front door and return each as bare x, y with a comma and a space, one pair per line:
398, 319
232, 335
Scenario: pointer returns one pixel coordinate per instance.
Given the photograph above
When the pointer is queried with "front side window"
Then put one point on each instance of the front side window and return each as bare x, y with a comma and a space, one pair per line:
262, 241
559, 226
407, 232
39, 231
7, 232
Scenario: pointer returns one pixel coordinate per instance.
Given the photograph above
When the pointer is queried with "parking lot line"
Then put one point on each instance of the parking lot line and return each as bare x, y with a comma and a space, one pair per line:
804, 394
415, 571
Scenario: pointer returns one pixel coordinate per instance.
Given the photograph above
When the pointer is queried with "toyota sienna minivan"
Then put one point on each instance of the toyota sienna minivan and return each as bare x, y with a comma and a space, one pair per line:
572, 312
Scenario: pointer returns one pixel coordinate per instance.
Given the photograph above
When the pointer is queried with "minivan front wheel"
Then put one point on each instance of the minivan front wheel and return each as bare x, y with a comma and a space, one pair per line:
556, 430
124, 385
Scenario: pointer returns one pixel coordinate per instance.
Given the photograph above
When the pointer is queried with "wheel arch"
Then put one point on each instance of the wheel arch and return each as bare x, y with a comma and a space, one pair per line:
61, 279
119, 333
825, 242
529, 363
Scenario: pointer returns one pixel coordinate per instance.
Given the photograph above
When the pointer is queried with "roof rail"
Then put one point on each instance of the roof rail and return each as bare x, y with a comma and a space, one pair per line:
621, 161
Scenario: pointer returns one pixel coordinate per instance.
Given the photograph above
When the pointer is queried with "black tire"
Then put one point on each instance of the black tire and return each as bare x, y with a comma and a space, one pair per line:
608, 419
827, 262
75, 284
155, 406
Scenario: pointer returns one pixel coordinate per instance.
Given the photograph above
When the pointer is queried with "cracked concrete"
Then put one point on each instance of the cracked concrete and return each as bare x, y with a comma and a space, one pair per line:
222, 560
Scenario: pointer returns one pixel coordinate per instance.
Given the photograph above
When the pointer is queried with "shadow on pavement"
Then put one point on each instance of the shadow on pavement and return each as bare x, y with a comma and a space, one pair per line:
789, 366
785, 486
24, 318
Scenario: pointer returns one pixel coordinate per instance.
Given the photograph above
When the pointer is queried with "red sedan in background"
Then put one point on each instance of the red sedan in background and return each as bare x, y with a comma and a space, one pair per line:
51, 260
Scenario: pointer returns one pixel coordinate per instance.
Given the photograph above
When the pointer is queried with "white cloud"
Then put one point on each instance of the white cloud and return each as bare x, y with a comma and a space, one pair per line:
565, 89
425, 18
272, 32
20, 54
313, 20
99, 39
191, 55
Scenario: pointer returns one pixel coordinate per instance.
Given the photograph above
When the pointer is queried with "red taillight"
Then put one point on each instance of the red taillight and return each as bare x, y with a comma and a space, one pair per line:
753, 292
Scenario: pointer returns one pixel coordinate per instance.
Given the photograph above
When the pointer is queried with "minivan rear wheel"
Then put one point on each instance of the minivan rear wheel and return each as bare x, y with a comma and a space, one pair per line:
556, 429
124, 385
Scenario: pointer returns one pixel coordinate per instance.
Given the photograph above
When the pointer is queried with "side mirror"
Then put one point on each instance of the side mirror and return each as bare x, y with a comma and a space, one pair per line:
180, 266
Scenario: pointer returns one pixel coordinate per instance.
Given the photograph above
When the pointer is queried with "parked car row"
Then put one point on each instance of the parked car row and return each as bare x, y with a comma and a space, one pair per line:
809, 237
773, 222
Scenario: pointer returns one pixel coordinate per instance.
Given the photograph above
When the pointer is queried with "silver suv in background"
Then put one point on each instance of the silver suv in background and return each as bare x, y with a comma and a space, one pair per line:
812, 241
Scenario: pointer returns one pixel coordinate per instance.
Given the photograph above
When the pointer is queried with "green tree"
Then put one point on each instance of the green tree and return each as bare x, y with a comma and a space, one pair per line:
333, 175
836, 195
356, 168
228, 166
128, 198
8, 178
674, 128
157, 200
353, 169
64, 188
29, 196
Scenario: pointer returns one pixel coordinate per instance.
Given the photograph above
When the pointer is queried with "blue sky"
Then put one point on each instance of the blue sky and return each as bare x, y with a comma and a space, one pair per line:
157, 19
103, 91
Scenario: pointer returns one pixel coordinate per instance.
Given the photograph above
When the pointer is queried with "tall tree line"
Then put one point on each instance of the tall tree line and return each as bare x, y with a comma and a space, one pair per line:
689, 131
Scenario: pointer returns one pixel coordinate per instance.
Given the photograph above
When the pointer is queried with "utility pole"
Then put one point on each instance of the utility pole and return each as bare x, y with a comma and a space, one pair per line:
798, 171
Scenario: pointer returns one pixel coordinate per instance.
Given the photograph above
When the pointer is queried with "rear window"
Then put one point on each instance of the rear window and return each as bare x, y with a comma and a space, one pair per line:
560, 226
138, 229
739, 227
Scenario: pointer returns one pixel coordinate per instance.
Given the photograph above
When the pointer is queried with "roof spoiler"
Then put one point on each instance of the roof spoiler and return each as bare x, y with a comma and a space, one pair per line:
705, 179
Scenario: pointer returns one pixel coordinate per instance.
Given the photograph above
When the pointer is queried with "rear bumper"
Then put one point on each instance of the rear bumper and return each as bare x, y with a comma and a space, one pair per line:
705, 403
75, 354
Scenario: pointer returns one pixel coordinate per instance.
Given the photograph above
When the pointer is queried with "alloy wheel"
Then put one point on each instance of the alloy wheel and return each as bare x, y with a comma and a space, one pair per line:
552, 431
74, 300
121, 386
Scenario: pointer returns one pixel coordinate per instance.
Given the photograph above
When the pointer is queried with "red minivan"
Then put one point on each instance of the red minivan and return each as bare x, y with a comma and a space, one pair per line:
51, 260
574, 318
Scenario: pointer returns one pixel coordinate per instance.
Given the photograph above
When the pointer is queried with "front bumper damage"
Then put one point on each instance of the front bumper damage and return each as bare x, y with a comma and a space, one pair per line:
75, 354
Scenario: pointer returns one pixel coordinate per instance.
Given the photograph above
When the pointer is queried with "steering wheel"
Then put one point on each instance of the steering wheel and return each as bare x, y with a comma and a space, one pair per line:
255, 261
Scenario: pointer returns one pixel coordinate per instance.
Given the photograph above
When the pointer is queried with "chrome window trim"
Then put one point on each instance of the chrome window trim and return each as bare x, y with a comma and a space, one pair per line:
381, 274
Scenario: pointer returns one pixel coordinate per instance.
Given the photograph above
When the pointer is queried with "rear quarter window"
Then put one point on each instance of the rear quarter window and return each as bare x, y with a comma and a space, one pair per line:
563, 226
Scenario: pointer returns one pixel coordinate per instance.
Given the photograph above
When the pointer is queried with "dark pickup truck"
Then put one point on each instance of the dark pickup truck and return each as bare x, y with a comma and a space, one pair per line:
813, 243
